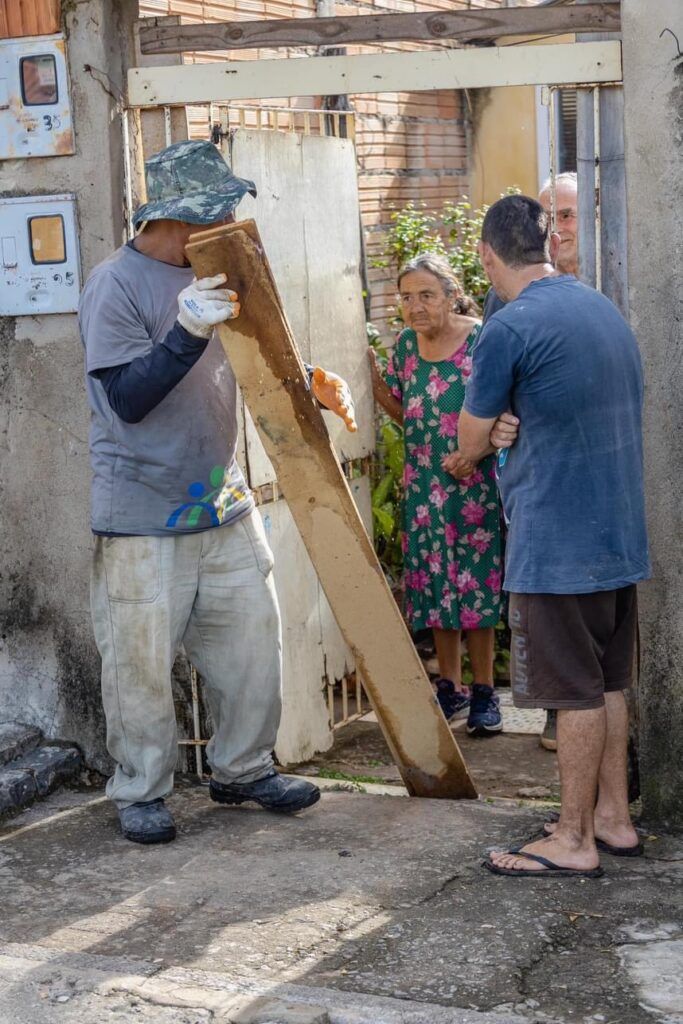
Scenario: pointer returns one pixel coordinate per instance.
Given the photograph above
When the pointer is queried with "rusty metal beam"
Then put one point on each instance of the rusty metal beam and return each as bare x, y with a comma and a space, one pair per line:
275, 386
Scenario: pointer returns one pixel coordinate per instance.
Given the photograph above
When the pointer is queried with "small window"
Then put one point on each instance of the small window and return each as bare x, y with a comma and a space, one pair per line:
46, 238
39, 80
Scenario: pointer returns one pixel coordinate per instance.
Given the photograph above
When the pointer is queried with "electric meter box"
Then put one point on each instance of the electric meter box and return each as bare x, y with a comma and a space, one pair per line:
35, 110
39, 268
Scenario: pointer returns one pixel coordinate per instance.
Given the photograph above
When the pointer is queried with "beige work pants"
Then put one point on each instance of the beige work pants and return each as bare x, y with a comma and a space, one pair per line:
213, 592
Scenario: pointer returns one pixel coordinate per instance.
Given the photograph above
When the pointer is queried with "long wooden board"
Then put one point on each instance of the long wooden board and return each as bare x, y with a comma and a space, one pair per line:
268, 368
475, 68
165, 35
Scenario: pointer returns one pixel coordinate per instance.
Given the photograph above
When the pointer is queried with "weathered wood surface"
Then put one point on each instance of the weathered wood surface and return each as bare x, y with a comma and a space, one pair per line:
269, 370
164, 35
445, 68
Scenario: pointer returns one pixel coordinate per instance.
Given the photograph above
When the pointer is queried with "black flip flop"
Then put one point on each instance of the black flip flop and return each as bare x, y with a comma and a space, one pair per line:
615, 851
620, 851
551, 870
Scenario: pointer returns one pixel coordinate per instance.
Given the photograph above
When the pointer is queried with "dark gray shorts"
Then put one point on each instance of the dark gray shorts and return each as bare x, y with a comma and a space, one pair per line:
568, 650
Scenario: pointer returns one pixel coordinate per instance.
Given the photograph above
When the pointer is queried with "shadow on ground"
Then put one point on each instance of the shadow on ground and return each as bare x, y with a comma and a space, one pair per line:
374, 908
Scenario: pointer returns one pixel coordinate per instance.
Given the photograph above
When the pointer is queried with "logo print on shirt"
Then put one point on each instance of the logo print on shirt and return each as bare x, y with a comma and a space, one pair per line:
215, 507
201, 502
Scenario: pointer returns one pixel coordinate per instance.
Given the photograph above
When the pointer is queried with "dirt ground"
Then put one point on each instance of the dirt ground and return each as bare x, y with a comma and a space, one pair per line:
513, 766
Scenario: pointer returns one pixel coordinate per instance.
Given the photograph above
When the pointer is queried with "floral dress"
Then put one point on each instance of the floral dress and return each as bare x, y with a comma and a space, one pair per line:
451, 534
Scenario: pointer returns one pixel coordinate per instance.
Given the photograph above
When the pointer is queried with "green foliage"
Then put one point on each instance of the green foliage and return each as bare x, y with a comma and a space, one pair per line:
453, 232
386, 482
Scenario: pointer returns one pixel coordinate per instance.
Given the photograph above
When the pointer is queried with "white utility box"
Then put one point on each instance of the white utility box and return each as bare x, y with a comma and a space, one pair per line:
39, 257
35, 109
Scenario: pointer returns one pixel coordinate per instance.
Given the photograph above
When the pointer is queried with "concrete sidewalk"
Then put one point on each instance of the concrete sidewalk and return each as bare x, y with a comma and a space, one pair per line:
365, 910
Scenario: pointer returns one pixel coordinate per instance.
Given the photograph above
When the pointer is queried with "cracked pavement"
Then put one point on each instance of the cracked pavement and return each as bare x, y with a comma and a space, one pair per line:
364, 910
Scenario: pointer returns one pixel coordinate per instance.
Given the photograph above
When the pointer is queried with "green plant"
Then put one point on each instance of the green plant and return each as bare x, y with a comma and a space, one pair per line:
453, 232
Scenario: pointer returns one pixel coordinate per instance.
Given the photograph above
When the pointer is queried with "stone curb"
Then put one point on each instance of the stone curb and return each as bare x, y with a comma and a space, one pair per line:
35, 775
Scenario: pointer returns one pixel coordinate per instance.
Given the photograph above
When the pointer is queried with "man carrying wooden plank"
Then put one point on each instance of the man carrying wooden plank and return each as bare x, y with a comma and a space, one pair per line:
180, 551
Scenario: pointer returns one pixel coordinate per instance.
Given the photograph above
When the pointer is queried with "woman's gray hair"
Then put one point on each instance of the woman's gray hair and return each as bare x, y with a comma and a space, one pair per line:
441, 269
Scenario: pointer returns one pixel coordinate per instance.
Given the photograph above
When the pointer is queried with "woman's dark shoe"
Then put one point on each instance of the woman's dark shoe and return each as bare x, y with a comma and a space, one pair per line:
484, 718
452, 702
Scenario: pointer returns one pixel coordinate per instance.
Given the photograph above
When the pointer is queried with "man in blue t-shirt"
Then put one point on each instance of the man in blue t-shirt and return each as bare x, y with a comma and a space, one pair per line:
562, 358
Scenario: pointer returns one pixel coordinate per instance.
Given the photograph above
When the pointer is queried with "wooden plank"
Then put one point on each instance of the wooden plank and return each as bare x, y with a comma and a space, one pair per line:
269, 370
162, 35
554, 64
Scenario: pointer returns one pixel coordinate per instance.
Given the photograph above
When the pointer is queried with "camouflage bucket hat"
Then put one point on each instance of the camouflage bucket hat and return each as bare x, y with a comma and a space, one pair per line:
190, 181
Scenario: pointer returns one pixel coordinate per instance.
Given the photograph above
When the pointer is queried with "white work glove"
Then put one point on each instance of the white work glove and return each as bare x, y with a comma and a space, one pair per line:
203, 304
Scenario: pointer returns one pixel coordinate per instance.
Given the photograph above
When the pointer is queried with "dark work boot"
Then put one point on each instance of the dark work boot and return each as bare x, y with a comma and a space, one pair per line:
147, 822
286, 794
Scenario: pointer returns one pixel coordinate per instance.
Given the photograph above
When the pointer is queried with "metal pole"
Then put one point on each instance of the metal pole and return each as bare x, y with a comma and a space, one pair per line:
552, 130
196, 723
596, 181
127, 172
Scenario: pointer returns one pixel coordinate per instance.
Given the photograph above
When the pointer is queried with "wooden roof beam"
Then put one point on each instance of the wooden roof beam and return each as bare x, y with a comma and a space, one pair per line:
165, 35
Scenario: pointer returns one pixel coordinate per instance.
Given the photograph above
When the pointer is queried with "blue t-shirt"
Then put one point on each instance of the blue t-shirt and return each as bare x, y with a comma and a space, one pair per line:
564, 360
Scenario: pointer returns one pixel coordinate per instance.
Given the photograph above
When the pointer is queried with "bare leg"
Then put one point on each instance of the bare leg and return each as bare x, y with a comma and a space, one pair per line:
612, 822
480, 649
447, 643
612, 819
580, 746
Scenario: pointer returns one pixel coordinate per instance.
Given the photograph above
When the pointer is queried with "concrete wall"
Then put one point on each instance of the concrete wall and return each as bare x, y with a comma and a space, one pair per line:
49, 669
653, 98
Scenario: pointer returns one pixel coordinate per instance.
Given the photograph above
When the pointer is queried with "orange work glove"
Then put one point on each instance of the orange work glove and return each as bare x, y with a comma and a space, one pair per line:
334, 393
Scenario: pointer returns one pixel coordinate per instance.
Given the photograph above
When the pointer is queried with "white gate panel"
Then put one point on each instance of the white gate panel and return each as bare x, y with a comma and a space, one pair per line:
305, 726
339, 660
308, 216
333, 254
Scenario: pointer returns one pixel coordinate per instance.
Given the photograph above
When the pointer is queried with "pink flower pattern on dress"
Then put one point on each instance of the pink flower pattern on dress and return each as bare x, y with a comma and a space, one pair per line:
436, 387
438, 495
469, 618
409, 474
422, 515
473, 512
450, 528
409, 367
450, 534
494, 580
423, 454
465, 581
434, 561
448, 424
481, 540
434, 619
415, 409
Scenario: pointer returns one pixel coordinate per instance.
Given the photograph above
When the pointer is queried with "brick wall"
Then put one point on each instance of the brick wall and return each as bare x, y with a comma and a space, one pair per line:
411, 146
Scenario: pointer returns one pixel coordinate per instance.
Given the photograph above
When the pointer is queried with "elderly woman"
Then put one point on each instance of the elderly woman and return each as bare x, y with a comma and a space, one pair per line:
451, 534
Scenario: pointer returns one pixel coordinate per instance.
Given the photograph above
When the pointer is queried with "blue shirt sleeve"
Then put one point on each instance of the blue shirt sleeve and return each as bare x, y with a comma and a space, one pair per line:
496, 361
133, 389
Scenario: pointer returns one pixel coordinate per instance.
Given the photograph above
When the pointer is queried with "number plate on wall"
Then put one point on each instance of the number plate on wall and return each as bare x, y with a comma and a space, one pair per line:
39, 261
35, 110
